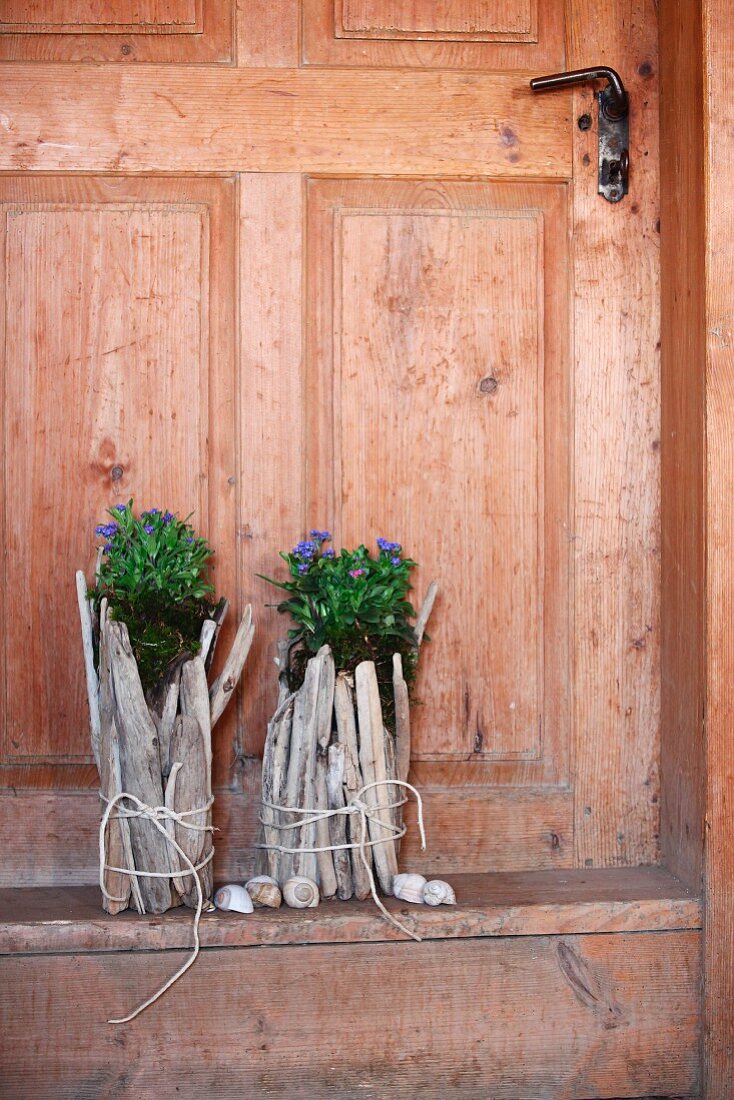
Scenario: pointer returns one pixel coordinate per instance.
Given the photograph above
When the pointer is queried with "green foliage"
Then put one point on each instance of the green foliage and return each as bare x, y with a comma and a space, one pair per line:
353, 602
154, 575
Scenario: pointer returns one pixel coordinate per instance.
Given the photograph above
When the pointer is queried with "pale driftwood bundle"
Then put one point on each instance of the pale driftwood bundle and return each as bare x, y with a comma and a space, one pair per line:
326, 742
159, 750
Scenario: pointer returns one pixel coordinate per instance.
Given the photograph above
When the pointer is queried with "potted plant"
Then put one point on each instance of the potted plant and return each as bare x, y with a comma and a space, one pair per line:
342, 723
149, 629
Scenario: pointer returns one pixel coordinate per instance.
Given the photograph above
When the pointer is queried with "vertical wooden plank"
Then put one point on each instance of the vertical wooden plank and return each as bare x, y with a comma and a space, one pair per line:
683, 370
616, 536
719, 908
268, 33
271, 401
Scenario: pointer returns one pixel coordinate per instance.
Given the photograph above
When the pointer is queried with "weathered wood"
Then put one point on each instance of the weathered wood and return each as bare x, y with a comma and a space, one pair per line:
634, 899
223, 687
206, 638
194, 701
346, 727
372, 763
325, 860
402, 719
188, 748
140, 773
619, 1016
117, 839
85, 616
425, 610
274, 778
279, 120
338, 822
300, 789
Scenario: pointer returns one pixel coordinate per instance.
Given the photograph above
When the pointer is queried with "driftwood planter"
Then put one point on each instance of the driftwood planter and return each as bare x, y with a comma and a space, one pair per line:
159, 750
325, 743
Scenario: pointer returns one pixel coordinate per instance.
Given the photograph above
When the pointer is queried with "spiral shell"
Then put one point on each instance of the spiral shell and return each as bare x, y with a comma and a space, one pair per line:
234, 899
300, 893
438, 892
409, 888
264, 891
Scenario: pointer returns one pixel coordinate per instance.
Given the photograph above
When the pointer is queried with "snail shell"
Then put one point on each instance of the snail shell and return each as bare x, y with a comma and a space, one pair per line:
300, 893
234, 899
409, 888
438, 892
264, 891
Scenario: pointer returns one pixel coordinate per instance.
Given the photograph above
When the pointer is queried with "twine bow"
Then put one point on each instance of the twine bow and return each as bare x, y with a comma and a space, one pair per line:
156, 815
367, 814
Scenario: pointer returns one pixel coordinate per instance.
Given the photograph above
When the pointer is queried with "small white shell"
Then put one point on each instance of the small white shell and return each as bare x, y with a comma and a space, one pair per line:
438, 892
234, 899
409, 888
300, 893
264, 891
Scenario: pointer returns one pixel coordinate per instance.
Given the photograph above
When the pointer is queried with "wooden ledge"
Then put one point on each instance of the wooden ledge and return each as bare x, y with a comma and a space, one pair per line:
641, 899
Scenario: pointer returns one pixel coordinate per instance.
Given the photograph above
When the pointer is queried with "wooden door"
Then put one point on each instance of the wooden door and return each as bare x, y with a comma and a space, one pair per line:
332, 264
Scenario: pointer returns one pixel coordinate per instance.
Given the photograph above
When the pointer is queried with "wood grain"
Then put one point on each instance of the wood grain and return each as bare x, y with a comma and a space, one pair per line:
99, 30
413, 359
718, 42
129, 397
113, 118
449, 35
268, 33
618, 1018
683, 373
530, 903
616, 532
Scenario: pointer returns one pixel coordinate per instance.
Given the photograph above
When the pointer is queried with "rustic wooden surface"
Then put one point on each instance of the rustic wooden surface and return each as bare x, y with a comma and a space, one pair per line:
616, 532
683, 294
50, 920
180, 31
718, 37
157, 119
605, 1016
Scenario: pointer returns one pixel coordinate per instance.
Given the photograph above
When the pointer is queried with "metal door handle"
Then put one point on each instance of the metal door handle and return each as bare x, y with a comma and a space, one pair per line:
613, 181
615, 103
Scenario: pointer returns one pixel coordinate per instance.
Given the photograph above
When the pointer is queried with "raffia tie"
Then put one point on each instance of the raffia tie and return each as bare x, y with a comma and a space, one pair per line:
367, 814
156, 815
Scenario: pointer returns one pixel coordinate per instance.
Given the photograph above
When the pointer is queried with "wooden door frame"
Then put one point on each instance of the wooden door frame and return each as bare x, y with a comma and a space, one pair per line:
697, 229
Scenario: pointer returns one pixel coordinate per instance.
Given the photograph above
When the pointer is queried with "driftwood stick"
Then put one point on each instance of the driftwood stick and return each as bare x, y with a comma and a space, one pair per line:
282, 662
85, 615
218, 619
338, 823
402, 719
139, 767
206, 637
324, 860
194, 702
191, 791
346, 727
119, 850
170, 802
274, 772
302, 763
425, 612
372, 761
223, 687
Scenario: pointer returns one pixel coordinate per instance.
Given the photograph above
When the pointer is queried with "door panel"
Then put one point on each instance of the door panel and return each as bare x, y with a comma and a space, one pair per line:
512, 34
111, 338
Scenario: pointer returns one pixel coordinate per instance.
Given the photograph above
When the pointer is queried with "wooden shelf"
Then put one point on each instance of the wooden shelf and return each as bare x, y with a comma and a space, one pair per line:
70, 919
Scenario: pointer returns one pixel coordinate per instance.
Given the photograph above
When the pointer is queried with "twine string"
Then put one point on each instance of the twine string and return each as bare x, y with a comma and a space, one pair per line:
368, 817
156, 815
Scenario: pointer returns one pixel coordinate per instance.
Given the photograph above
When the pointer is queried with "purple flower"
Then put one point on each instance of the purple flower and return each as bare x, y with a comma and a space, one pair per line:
356, 572
328, 554
304, 549
389, 547
189, 539
303, 568
322, 536
107, 547
149, 528
107, 529
168, 517
99, 530
121, 507
395, 561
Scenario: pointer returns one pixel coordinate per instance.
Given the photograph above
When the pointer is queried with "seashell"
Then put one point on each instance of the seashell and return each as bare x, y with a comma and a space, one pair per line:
438, 892
409, 888
300, 892
264, 891
234, 899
